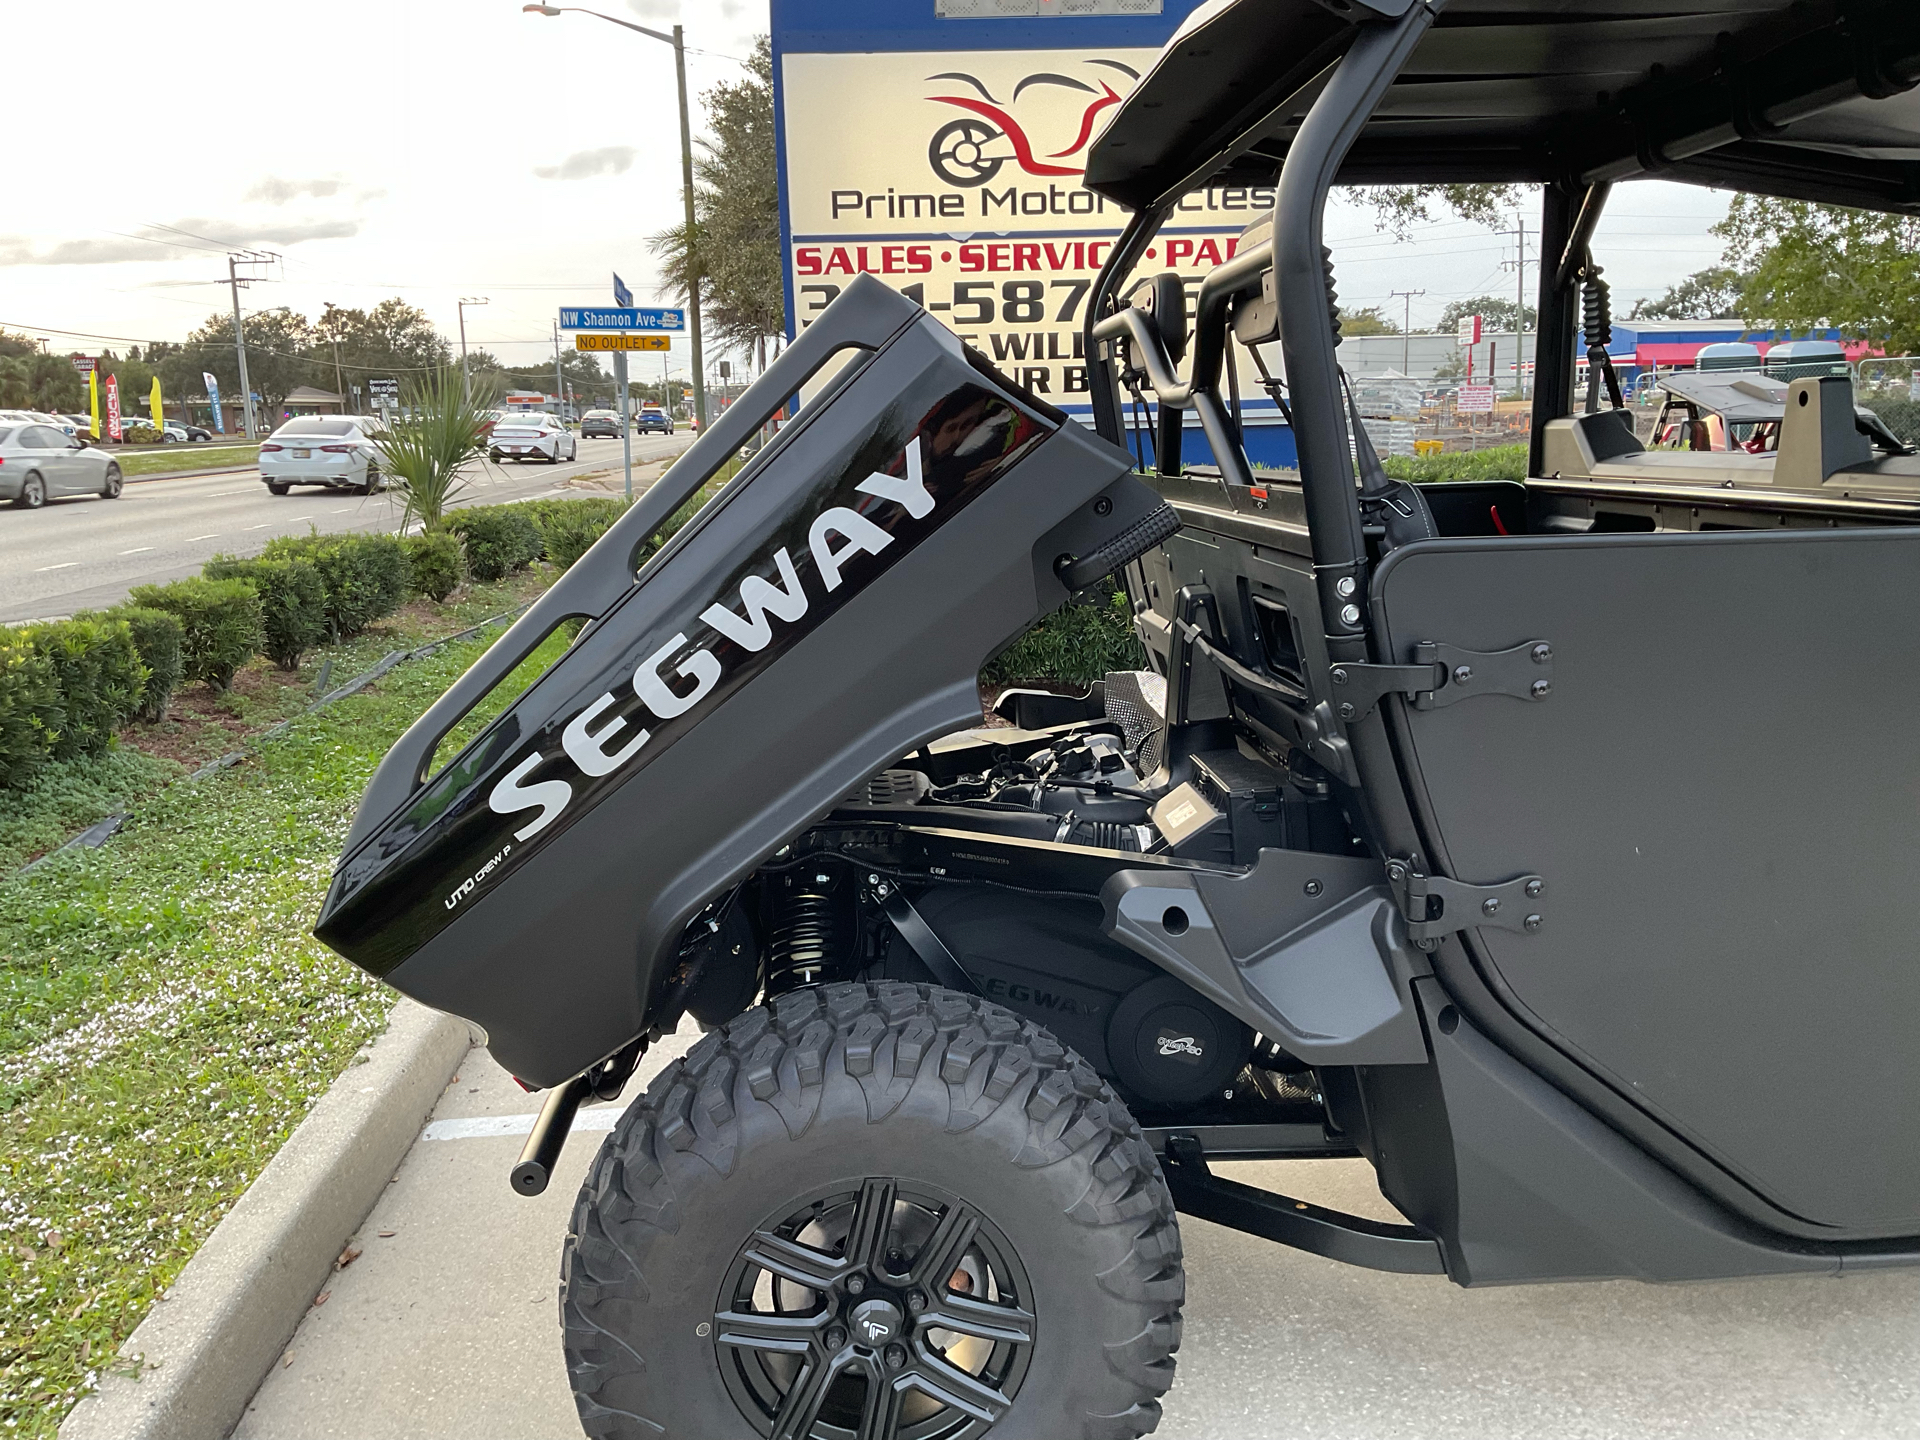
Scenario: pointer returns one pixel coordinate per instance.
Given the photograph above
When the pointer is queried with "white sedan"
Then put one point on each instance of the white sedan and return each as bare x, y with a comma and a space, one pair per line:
39, 463
338, 451
530, 437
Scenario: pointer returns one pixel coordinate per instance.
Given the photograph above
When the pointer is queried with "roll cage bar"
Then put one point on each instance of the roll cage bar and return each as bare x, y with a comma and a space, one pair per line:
1296, 253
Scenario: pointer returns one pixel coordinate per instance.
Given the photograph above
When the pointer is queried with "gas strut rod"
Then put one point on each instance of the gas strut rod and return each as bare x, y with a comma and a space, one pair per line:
550, 1132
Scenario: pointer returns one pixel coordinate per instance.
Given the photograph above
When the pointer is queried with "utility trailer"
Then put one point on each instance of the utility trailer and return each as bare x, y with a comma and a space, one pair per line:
1547, 844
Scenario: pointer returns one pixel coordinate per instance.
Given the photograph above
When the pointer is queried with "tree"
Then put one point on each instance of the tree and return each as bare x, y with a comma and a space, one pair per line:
1810, 266
31, 380
389, 342
441, 429
1704, 295
1370, 321
734, 249
1400, 207
279, 358
1496, 315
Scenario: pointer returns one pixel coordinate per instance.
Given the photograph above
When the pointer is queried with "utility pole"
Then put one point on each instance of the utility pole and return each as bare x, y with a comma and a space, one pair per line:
559, 384
1519, 267
678, 40
339, 382
235, 279
1406, 329
466, 382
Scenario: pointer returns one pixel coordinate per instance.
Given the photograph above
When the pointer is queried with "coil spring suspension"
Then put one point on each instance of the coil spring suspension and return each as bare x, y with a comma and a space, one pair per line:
805, 931
1596, 301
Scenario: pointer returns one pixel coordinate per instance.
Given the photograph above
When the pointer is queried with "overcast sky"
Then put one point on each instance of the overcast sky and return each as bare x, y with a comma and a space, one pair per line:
440, 148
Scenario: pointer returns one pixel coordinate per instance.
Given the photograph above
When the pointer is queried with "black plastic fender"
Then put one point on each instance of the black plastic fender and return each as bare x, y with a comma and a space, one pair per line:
828, 611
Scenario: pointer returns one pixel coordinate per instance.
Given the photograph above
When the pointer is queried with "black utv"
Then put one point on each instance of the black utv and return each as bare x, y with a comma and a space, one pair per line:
1544, 843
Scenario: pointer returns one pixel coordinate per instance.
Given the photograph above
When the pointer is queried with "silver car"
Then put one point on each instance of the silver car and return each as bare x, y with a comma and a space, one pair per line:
39, 463
338, 451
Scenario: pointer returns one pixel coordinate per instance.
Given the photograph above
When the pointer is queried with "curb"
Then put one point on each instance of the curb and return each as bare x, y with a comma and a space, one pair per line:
206, 1345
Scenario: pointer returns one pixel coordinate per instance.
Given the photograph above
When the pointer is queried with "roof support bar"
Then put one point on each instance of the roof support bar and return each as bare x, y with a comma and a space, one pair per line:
1306, 321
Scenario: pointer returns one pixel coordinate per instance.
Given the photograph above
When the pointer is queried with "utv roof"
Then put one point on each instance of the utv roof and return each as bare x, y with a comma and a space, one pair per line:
1806, 99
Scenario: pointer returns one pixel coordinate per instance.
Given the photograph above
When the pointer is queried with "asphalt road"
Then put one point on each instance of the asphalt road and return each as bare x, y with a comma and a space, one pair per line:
445, 1328
82, 554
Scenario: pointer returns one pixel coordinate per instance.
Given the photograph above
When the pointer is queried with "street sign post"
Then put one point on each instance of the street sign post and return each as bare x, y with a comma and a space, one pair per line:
621, 317
616, 342
385, 395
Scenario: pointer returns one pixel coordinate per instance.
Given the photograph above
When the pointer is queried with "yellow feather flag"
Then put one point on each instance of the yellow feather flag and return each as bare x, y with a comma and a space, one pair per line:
159, 420
93, 398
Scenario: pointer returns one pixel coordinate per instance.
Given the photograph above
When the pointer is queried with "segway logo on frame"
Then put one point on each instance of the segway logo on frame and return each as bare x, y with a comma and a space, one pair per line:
836, 536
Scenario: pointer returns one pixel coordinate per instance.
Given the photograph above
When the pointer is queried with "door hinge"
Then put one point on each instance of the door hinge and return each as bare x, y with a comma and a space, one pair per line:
1436, 907
1445, 674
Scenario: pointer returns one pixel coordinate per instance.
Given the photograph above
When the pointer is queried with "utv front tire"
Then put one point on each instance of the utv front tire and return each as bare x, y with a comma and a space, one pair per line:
876, 1211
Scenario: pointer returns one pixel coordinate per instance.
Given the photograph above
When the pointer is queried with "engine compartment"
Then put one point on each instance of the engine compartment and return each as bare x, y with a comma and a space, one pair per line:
976, 862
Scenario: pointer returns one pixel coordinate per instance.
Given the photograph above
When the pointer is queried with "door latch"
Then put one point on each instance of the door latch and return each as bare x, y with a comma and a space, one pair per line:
1436, 907
1445, 674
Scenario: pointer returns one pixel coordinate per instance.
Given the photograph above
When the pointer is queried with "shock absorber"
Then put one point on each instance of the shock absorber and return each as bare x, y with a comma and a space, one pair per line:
805, 930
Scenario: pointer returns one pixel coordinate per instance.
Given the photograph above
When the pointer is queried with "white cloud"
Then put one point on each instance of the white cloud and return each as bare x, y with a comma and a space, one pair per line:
585, 164
276, 191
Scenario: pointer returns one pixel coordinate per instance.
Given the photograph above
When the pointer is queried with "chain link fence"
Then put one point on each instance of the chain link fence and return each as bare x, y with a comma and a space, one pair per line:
1891, 389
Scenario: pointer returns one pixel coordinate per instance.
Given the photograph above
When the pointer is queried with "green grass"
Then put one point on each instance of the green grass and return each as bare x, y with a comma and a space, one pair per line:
161, 459
65, 797
1500, 462
166, 1020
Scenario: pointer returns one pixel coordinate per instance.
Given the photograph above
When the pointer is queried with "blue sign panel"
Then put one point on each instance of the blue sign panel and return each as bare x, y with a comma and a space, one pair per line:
622, 296
620, 317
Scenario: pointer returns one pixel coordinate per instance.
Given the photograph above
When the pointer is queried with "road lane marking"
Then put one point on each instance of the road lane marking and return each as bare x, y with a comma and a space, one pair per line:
341, 511
263, 527
487, 1127
63, 565
215, 535
137, 550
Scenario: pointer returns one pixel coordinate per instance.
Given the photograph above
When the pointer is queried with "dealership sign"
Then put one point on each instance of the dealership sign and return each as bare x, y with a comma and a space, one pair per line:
945, 157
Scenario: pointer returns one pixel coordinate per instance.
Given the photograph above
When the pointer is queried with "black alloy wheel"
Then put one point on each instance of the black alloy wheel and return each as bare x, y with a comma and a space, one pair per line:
33, 492
873, 1212
890, 1310
111, 489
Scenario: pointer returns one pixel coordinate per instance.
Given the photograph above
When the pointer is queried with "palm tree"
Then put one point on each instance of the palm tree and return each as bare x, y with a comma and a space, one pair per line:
440, 429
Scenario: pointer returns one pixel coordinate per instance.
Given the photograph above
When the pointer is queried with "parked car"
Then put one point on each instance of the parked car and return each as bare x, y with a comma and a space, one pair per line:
190, 431
39, 463
63, 423
82, 424
533, 436
338, 451
653, 420
605, 423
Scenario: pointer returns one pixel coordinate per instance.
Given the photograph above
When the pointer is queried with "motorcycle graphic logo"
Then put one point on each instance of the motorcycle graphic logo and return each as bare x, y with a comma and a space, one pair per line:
971, 151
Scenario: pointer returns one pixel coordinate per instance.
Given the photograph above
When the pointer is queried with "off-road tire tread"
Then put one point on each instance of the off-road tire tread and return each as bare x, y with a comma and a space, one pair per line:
883, 1036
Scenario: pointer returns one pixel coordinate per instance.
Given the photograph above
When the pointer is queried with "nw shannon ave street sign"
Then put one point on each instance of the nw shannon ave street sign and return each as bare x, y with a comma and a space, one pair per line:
602, 341
621, 317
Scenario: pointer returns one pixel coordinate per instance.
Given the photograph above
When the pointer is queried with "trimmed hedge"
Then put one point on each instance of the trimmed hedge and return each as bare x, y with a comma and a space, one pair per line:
97, 672
497, 538
220, 622
437, 564
1075, 645
30, 710
568, 528
293, 602
158, 636
366, 576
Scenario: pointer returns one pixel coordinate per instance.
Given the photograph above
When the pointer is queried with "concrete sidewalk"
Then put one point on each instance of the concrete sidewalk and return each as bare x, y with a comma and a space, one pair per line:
445, 1328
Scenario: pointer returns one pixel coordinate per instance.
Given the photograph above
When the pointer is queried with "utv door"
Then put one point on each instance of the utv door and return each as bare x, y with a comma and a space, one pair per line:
1721, 792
